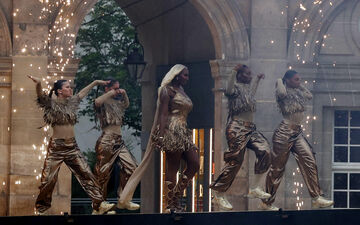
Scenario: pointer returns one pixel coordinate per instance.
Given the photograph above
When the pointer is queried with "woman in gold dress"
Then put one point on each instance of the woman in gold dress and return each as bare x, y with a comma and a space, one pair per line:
171, 135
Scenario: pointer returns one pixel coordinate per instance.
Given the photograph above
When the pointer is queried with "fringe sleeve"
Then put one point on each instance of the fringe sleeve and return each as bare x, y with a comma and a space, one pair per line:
231, 83
306, 93
44, 101
75, 101
280, 92
125, 101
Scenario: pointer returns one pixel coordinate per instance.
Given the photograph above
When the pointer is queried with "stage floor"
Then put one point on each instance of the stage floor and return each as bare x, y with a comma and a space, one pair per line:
305, 217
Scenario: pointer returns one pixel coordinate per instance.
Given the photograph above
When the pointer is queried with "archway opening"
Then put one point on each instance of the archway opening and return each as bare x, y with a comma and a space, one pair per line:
170, 33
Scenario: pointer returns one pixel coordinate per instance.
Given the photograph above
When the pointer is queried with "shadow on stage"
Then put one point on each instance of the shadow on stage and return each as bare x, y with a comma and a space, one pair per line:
305, 217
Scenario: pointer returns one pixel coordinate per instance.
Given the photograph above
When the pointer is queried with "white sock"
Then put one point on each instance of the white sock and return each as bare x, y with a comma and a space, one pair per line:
219, 194
259, 180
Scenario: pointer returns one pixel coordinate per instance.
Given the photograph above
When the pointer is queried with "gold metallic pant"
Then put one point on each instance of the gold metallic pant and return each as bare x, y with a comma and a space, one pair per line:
110, 149
289, 138
67, 151
241, 135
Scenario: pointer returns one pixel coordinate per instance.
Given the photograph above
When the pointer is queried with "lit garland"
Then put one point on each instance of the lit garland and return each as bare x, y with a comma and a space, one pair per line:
303, 25
59, 28
64, 54
298, 190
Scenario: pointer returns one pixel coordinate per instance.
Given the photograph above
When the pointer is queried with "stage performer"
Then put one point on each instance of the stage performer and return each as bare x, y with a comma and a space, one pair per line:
241, 134
60, 114
291, 97
110, 148
171, 135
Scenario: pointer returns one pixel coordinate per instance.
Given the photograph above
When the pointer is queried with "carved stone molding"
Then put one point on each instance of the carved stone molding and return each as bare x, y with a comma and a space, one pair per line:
5, 37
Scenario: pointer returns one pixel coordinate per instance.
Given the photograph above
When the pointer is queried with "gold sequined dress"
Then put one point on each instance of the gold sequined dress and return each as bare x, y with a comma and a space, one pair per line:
177, 136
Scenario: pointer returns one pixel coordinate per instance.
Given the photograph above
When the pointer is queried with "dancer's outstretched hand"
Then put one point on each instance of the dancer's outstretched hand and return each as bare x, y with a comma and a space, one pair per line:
119, 91
35, 79
122, 91
261, 76
238, 67
103, 82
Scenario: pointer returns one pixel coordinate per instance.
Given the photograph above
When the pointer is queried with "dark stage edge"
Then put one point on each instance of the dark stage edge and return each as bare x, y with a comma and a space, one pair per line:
305, 217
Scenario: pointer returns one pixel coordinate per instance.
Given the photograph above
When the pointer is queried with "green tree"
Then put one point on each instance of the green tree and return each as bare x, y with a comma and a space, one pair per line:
102, 43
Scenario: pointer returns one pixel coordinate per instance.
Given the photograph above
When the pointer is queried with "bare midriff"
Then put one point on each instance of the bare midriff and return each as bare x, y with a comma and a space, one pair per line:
63, 131
295, 118
244, 116
112, 129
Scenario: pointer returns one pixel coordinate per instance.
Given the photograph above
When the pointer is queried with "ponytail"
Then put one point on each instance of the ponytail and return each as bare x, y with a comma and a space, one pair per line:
57, 86
51, 92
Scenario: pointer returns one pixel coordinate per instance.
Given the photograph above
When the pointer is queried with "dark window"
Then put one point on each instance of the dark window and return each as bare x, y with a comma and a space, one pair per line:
340, 199
354, 154
355, 119
340, 154
355, 181
341, 136
355, 136
341, 118
354, 199
340, 181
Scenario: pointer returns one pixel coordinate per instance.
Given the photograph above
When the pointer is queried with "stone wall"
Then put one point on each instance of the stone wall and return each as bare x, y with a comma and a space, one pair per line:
270, 36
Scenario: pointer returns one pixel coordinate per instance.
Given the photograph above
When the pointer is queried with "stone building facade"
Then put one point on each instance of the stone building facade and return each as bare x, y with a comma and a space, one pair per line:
320, 39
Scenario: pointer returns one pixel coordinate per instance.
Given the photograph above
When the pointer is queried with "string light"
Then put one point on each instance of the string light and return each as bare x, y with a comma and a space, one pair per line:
63, 54
302, 7
297, 190
59, 28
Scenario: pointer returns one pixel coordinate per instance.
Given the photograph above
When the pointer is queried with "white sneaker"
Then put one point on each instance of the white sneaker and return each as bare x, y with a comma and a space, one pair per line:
128, 205
222, 202
41, 213
103, 208
321, 202
258, 193
112, 212
267, 207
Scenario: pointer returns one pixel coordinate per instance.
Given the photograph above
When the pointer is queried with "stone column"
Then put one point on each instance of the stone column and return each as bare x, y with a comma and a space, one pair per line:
150, 182
5, 111
30, 57
268, 56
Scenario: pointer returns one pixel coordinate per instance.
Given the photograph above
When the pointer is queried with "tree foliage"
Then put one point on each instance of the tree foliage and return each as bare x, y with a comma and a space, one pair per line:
102, 43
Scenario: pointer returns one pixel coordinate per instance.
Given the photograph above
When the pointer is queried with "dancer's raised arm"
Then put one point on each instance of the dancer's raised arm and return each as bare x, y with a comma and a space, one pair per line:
37, 81
307, 94
232, 79
280, 89
101, 99
255, 83
85, 91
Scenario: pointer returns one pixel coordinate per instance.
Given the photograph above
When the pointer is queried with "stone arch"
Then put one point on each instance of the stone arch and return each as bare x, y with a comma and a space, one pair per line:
305, 43
346, 44
227, 26
228, 30
5, 36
